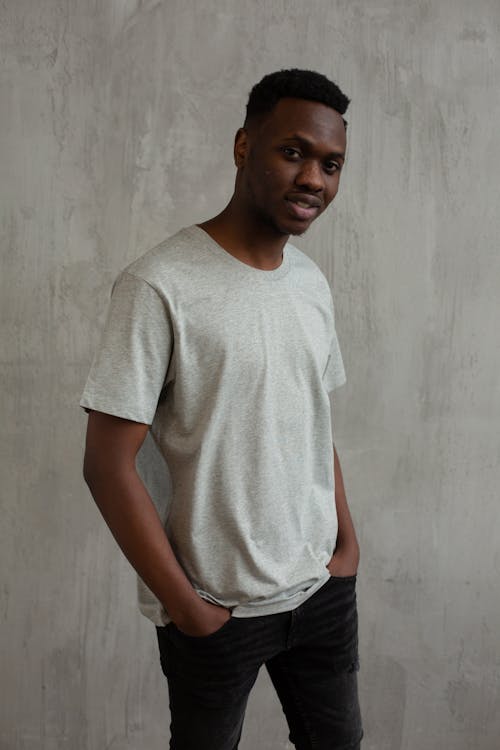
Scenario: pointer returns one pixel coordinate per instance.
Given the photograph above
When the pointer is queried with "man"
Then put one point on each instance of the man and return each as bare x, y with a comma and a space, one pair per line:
221, 343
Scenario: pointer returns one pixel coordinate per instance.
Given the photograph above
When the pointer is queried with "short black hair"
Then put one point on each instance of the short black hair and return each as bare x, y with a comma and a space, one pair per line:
296, 83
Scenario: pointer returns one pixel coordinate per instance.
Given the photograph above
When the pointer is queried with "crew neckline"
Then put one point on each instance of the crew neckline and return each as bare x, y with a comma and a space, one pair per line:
271, 275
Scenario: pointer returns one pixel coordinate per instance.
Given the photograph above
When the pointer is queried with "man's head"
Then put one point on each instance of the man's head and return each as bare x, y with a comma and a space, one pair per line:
291, 149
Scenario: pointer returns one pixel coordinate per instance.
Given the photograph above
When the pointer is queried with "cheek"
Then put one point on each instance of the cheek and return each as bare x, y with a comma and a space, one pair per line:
269, 182
333, 189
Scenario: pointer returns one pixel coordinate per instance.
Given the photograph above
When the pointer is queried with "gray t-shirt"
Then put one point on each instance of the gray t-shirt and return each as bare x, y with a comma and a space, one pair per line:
231, 366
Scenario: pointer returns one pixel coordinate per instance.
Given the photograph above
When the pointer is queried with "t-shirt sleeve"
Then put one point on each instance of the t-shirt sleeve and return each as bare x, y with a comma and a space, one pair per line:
334, 375
131, 365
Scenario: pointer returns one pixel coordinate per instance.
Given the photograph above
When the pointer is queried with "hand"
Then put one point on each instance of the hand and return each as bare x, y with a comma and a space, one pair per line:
203, 619
344, 561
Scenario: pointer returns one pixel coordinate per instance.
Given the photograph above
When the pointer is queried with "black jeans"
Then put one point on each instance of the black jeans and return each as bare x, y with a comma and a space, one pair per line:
310, 653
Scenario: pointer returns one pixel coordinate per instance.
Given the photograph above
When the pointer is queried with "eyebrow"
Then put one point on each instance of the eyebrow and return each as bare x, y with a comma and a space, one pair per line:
309, 144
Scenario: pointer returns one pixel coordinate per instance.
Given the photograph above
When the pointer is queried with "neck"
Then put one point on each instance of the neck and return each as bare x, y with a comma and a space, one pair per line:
246, 238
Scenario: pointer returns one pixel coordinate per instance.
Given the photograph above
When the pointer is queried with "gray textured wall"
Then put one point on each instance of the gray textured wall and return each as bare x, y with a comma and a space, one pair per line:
116, 129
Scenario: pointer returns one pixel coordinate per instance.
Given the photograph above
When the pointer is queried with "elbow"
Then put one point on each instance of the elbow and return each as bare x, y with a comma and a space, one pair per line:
99, 471
89, 471
86, 473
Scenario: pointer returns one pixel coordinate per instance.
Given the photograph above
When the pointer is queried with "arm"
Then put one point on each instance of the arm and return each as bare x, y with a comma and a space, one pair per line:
345, 559
109, 469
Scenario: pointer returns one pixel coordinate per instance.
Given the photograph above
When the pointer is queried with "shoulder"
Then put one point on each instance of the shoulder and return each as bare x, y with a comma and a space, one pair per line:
172, 259
307, 271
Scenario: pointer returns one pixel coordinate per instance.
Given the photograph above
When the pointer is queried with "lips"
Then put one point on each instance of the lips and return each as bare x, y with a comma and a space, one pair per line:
303, 206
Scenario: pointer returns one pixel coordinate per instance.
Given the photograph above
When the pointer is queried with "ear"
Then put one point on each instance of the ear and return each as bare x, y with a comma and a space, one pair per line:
241, 145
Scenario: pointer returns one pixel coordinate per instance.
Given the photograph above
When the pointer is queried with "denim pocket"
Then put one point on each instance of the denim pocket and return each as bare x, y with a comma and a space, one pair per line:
173, 627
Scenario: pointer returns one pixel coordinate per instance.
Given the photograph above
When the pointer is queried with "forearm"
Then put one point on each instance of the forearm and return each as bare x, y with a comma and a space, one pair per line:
135, 524
346, 535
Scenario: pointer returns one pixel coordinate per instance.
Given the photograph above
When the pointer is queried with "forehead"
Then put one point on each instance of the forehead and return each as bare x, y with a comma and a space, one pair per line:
315, 120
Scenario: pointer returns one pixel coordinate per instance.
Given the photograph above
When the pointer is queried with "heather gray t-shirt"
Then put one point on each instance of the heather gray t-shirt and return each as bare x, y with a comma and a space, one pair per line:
231, 366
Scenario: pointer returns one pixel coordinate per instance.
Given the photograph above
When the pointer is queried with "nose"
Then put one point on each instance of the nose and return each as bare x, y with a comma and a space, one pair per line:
310, 176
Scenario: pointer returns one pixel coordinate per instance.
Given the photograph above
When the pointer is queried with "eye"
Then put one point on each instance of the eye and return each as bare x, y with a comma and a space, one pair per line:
290, 152
332, 166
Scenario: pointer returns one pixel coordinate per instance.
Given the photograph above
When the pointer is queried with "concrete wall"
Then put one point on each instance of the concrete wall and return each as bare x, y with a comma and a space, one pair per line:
116, 129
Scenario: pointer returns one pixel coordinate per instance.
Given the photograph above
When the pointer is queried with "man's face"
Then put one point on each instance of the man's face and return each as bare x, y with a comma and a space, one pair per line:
289, 165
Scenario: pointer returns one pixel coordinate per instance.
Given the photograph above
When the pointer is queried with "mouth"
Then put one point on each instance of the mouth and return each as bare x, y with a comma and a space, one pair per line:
303, 207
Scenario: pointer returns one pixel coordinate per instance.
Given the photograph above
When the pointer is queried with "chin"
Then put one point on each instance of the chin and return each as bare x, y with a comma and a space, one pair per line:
291, 228
299, 232
285, 227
